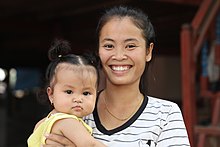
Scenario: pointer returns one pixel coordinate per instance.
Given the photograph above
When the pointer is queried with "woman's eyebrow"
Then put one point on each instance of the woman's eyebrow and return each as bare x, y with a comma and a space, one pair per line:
107, 39
130, 39
126, 40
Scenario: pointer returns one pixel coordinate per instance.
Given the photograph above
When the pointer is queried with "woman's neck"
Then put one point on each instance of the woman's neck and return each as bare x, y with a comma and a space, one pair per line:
121, 94
120, 104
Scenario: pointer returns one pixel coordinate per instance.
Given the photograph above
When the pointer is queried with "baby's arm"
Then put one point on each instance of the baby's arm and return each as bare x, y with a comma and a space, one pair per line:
36, 126
76, 132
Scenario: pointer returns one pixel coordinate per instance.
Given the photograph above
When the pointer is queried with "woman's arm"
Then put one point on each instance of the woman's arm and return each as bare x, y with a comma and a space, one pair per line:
174, 132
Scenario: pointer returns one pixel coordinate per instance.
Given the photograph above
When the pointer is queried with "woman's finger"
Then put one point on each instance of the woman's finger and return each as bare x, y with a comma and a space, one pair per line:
58, 140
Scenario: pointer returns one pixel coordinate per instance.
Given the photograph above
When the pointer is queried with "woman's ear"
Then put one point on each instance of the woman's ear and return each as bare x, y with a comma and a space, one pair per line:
50, 94
149, 52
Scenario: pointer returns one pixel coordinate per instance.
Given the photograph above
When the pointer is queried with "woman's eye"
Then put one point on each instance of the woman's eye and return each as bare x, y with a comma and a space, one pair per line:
86, 93
108, 46
131, 46
69, 91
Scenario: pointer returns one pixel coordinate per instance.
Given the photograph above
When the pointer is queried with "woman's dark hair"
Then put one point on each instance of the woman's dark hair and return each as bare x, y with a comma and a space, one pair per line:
60, 52
140, 20
138, 17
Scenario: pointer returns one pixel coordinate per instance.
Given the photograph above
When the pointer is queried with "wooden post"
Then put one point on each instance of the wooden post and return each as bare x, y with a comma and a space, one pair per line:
188, 81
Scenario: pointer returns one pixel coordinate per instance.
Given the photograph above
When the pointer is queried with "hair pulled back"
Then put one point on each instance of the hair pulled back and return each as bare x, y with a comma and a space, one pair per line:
137, 16
139, 19
61, 52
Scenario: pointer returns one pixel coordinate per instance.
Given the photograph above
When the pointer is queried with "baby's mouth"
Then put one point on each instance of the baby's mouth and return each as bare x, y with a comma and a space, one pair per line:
77, 107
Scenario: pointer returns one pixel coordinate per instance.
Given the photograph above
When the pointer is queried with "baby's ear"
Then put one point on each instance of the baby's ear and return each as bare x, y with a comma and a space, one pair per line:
50, 94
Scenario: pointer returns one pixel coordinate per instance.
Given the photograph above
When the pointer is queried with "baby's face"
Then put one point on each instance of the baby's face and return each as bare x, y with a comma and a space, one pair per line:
74, 92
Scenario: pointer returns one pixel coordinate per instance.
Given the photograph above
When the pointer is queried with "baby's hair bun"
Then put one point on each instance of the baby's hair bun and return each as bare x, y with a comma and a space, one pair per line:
58, 49
90, 56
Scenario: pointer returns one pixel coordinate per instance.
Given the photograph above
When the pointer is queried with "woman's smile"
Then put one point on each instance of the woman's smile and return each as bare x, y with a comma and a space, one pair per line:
120, 67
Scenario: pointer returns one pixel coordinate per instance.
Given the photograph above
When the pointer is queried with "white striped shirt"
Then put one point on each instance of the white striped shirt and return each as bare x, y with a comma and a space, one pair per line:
157, 123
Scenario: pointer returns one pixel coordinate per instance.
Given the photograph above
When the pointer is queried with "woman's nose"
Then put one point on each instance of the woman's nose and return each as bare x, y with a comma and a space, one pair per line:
119, 54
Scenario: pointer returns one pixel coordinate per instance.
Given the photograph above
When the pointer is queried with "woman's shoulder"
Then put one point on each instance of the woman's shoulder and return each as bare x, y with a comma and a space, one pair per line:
161, 103
164, 108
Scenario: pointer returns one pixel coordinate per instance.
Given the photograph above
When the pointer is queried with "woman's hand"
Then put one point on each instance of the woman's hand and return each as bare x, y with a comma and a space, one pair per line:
55, 140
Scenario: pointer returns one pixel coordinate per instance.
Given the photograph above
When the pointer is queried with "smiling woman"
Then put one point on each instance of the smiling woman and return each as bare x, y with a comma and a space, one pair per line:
124, 115
121, 53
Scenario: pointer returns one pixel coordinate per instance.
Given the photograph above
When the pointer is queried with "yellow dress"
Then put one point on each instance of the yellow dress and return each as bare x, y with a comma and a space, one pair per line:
37, 138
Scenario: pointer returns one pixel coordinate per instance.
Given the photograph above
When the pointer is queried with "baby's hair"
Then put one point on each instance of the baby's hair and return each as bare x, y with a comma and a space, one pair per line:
59, 48
60, 52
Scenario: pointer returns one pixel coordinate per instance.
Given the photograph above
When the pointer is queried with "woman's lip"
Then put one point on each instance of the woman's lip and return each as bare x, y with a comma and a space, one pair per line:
120, 67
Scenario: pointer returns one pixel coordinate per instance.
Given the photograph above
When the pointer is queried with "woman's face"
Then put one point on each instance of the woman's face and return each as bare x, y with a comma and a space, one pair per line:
122, 50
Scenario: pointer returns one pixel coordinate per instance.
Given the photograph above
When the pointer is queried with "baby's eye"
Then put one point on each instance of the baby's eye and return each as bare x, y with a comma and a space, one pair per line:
69, 91
86, 93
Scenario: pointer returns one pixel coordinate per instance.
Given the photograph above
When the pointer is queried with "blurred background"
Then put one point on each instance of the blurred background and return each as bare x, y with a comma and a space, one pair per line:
27, 28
